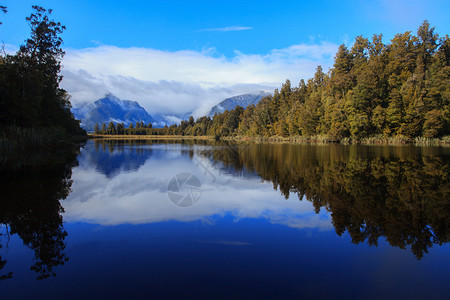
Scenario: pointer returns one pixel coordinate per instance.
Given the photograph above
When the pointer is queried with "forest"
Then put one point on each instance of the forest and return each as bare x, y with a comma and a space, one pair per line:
34, 109
399, 90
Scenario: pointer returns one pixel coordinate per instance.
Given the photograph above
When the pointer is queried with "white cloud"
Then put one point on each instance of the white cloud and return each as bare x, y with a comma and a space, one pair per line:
231, 28
183, 81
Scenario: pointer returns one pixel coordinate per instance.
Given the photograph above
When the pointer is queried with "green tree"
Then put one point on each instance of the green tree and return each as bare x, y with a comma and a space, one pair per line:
96, 128
191, 121
434, 124
103, 130
245, 124
359, 55
30, 79
341, 78
111, 128
44, 54
120, 128
428, 43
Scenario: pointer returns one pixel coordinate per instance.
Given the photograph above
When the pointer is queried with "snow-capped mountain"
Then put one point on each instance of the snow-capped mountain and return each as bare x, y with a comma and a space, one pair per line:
241, 100
110, 108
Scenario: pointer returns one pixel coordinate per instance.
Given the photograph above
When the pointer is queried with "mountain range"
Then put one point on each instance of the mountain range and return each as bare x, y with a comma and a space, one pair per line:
110, 108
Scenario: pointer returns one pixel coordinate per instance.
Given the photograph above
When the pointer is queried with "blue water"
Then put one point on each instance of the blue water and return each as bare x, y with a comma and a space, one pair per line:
242, 239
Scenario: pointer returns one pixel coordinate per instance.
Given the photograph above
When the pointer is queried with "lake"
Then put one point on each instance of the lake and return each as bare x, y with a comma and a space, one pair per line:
184, 219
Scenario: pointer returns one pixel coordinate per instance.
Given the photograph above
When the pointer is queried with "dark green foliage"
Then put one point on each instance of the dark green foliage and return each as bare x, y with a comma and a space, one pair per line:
103, 130
120, 128
32, 186
397, 90
96, 128
30, 96
112, 128
17, 139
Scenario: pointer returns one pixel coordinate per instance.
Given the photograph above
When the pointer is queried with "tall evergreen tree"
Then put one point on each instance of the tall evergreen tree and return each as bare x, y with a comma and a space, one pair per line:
96, 128
29, 85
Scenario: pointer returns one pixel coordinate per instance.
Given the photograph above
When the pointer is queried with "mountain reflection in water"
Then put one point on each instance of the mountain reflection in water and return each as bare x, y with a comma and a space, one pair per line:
400, 194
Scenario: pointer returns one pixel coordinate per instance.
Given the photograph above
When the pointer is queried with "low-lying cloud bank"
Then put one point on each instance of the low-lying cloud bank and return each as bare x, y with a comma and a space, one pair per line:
184, 81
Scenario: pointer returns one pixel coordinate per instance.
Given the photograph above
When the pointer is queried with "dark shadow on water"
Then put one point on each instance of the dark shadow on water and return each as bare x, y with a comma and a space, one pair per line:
31, 187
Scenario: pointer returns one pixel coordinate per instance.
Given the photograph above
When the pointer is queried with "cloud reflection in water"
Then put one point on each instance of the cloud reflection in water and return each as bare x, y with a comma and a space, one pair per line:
139, 195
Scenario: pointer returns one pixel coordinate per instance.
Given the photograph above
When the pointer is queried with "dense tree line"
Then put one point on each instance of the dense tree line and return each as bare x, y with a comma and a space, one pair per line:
373, 89
30, 96
399, 90
201, 127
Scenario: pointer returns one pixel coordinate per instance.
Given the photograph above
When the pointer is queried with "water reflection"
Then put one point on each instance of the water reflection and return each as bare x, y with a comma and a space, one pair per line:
141, 196
112, 160
30, 191
399, 193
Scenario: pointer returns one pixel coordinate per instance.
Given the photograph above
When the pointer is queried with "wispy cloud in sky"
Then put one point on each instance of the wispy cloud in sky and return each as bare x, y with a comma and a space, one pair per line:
177, 82
230, 28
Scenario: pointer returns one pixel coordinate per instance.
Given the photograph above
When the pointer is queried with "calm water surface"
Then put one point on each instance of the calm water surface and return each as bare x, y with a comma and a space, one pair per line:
202, 220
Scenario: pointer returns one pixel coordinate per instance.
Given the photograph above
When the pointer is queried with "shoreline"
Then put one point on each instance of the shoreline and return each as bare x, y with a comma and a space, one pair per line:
291, 140
147, 137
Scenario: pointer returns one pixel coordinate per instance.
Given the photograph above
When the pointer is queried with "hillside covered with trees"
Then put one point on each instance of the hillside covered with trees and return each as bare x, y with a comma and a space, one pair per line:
399, 90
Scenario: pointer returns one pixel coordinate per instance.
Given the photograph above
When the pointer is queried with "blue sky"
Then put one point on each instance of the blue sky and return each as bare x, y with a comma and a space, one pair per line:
189, 54
180, 25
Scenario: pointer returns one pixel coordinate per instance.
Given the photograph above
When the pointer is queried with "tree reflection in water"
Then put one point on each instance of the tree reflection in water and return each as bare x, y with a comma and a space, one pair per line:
30, 188
399, 193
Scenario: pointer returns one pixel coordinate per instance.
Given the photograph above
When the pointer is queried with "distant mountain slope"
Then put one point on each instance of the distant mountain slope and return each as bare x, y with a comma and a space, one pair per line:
241, 100
110, 108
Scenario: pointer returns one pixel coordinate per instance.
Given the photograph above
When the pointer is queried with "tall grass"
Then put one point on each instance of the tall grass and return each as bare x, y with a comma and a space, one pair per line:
324, 139
16, 139
22, 147
432, 141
